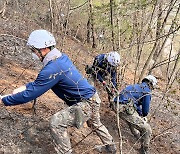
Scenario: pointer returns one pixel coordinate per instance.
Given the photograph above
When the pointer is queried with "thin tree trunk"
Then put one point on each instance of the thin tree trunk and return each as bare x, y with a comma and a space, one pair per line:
51, 12
112, 24
65, 25
88, 31
169, 32
92, 23
136, 27
160, 26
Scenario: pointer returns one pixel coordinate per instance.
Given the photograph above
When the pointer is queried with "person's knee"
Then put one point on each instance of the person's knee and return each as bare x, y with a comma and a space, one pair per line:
54, 121
94, 123
146, 129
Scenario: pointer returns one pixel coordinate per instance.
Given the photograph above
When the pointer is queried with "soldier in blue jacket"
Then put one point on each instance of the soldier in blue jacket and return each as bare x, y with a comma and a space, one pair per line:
61, 76
104, 70
134, 104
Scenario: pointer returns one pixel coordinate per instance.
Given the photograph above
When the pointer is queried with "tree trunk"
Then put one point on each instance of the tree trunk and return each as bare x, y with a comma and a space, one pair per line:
88, 31
92, 23
51, 12
112, 24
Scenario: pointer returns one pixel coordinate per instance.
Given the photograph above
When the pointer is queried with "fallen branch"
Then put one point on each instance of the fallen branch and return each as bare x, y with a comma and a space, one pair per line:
164, 132
3, 10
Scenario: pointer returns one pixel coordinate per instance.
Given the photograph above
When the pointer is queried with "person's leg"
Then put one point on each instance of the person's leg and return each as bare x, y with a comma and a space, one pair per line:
100, 129
58, 124
75, 116
145, 132
134, 131
142, 126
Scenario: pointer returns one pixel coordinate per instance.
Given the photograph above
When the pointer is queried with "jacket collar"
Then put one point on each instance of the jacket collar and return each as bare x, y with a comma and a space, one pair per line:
53, 54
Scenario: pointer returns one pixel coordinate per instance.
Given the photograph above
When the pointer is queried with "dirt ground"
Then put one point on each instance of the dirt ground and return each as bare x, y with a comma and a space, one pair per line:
25, 131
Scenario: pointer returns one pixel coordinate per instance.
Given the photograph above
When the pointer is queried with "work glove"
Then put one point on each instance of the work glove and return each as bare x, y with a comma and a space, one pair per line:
2, 96
104, 83
20, 89
88, 69
113, 91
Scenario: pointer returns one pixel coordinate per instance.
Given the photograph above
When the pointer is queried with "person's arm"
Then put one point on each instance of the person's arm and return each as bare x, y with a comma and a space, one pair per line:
146, 104
97, 66
20, 89
96, 61
33, 90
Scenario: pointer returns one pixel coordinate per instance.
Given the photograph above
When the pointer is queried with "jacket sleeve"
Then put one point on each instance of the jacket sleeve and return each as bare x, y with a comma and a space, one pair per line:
43, 83
146, 104
98, 59
96, 64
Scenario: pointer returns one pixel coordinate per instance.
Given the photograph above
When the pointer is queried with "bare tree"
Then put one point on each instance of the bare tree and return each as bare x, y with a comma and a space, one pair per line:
51, 12
91, 20
88, 31
3, 9
157, 47
112, 24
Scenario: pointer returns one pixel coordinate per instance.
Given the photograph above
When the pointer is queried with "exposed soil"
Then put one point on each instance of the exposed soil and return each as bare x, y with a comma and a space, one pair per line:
25, 132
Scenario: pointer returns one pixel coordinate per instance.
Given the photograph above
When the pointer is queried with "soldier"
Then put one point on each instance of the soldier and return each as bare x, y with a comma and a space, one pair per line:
134, 104
63, 78
104, 69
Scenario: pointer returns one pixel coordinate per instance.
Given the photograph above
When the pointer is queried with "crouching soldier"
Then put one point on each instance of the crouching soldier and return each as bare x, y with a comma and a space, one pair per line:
61, 76
104, 70
134, 103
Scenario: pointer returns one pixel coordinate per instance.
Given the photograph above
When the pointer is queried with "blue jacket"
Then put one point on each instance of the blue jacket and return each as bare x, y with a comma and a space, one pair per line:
103, 68
62, 77
140, 94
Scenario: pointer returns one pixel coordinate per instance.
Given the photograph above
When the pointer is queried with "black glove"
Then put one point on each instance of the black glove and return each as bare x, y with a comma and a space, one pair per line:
88, 69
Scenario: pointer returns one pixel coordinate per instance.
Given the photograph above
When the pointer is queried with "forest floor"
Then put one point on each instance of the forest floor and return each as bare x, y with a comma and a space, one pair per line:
24, 131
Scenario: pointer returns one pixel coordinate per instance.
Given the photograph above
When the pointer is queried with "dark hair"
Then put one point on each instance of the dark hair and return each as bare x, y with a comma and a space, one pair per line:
148, 82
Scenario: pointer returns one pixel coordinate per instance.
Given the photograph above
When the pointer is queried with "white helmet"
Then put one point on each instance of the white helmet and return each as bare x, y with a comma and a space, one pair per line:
113, 58
41, 39
151, 79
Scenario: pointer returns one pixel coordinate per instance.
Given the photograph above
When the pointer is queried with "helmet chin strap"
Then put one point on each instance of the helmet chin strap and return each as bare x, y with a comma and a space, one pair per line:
42, 57
40, 53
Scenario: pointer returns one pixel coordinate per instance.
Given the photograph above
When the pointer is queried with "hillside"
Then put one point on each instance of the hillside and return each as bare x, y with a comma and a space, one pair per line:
25, 131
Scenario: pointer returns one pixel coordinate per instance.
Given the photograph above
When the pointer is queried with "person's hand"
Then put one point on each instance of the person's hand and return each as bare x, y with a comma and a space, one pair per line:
104, 83
2, 96
113, 91
0, 100
20, 89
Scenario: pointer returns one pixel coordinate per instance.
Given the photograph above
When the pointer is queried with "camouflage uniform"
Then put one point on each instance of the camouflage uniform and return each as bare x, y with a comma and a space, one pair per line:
138, 126
89, 111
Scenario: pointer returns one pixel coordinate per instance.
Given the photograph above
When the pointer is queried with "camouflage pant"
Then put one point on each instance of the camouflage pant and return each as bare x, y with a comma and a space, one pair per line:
96, 83
68, 117
138, 126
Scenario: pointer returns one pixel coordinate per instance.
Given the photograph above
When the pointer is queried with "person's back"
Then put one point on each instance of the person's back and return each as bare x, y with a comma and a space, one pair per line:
104, 70
140, 94
134, 103
71, 86
60, 75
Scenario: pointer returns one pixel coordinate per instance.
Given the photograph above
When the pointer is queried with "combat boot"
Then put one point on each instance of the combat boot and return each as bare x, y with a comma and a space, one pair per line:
111, 149
144, 150
108, 149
